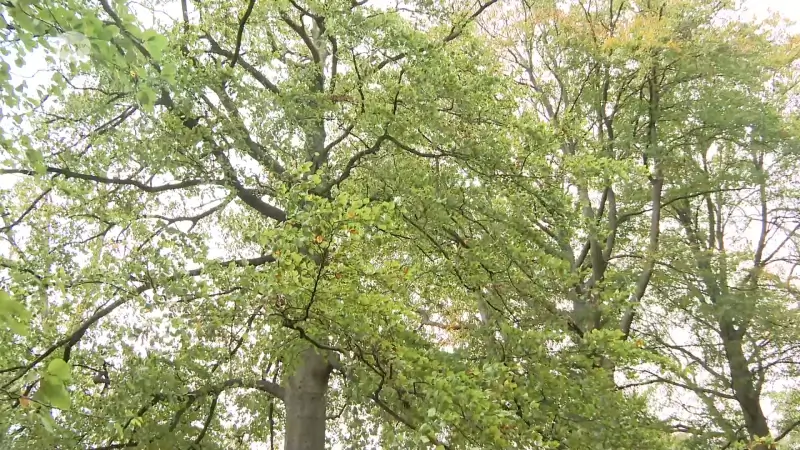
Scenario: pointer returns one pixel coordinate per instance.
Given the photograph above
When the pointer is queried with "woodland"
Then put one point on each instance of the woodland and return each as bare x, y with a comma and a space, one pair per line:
410, 224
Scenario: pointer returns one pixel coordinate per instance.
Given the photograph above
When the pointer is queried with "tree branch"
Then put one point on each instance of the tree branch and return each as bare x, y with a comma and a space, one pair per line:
301, 31
76, 335
240, 31
255, 150
647, 271
105, 180
789, 428
455, 32
696, 389
211, 410
351, 164
27, 211
255, 73
246, 195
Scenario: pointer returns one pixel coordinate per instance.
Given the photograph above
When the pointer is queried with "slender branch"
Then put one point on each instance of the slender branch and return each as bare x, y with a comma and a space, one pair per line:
408, 149
209, 417
351, 164
255, 150
130, 444
459, 28
247, 262
301, 31
638, 384
240, 31
118, 22
27, 211
194, 219
455, 32
76, 335
789, 428
106, 180
338, 139
255, 73
628, 215
263, 385
779, 247
695, 389
69, 340
396, 416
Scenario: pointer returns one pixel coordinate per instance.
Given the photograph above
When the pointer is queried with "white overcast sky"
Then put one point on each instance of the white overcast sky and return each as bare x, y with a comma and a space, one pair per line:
787, 8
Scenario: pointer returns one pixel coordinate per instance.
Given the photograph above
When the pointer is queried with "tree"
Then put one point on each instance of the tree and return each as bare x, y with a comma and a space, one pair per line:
673, 97
214, 207
439, 224
186, 228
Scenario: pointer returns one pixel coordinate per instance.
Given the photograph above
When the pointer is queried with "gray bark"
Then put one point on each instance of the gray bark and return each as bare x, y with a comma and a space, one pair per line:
742, 382
306, 402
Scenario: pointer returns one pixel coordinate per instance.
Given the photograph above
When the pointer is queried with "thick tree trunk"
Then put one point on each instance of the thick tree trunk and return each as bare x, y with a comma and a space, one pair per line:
742, 382
306, 402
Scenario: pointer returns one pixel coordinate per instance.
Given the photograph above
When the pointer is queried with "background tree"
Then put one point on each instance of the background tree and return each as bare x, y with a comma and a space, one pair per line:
187, 230
654, 100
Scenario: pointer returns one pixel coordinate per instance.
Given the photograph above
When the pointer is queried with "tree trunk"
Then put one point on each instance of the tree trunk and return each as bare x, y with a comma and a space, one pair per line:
742, 382
306, 402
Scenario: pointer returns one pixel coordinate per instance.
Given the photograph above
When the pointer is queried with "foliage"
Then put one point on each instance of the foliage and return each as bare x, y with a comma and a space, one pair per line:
437, 225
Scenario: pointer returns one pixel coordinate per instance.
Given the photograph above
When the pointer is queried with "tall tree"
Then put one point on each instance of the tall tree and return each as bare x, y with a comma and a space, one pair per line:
219, 227
654, 99
186, 229
438, 224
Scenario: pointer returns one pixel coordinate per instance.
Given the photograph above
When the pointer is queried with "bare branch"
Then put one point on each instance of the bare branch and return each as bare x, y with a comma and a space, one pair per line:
240, 31
351, 164
255, 73
105, 180
789, 428
301, 31
27, 211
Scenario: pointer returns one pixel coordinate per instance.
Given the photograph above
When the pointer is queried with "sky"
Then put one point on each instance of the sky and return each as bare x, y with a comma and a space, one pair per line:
789, 9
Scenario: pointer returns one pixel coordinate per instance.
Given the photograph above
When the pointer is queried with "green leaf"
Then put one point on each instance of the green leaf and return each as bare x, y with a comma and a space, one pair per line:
6, 303
146, 97
17, 327
53, 392
60, 369
154, 43
47, 420
35, 157
168, 72
13, 314
112, 30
